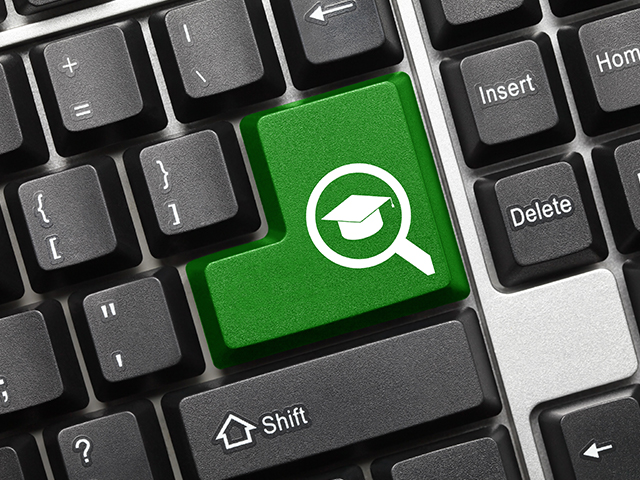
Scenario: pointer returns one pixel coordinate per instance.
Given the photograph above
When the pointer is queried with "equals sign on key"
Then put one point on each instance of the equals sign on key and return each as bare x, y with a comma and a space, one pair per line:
82, 111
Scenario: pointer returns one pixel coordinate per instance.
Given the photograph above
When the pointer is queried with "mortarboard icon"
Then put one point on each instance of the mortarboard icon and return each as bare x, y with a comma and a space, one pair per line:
358, 216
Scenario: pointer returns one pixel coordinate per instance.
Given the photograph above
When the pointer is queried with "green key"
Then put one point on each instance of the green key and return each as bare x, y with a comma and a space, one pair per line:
359, 232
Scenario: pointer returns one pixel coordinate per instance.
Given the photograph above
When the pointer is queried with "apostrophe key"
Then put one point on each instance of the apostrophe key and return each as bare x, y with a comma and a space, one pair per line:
541, 221
119, 443
486, 454
334, 402
602, 59
73, 225
98, 88
193, 191
22, 143
217, 55
455, 22
39, 372
20, 459
11, 287
327, 41
508, 101
137, 335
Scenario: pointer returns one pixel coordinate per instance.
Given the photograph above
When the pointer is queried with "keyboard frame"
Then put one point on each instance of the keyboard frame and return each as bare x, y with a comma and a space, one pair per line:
19, 34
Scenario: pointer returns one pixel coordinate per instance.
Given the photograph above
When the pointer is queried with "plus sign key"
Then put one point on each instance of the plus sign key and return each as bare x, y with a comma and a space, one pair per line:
359, 232
98, 88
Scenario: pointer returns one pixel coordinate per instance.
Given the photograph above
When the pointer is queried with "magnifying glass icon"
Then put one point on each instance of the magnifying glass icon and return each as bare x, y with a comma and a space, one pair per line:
400, 246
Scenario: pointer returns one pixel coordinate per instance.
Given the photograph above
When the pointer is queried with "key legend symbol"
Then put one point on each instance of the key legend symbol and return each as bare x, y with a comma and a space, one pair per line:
4, 395
82, 111
118, 360
54, 255
108, 310
320, 15
69, 67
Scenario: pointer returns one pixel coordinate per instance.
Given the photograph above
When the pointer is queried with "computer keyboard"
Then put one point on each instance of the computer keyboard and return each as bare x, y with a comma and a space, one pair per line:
319, 240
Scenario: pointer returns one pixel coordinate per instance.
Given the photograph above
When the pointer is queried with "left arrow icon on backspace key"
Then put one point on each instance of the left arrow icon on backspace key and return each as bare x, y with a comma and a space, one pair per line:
595, 450
320, 14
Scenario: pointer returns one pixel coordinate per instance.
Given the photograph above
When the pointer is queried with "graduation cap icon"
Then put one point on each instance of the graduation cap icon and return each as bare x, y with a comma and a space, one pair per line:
358, 216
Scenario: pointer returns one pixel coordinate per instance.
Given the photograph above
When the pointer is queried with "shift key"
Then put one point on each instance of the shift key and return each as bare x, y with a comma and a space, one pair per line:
381, 389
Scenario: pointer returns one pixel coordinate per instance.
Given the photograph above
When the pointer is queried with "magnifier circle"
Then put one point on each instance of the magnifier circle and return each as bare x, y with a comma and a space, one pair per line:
340, 172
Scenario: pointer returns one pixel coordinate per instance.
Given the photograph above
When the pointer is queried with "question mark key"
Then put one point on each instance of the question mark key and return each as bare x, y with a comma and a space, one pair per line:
117, 443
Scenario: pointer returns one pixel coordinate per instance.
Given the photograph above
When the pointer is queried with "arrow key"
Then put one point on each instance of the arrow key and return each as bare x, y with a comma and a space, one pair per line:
595, 438
329, 40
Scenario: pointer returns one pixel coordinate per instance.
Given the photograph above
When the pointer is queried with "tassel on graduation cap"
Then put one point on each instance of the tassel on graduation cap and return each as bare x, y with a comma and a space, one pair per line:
359, 216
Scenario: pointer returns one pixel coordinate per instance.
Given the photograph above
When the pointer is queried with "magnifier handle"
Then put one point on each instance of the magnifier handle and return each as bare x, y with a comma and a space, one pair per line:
416, 257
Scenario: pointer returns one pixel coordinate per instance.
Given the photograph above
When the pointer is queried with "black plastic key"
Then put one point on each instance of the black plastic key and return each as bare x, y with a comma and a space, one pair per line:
508, 101
332, 402
20, 459
34, 7
329, 40
193, 191
11, 287
618, 167
568, 7
541, 221
349, 473
114, 444
595, 438
602, 58
455, 22
22, 143
483, 455
217, 55
3, 12
39, 372
73, 225
98, 88
137, 335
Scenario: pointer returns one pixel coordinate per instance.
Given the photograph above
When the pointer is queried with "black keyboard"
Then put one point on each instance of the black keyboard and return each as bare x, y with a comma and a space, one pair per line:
319, 240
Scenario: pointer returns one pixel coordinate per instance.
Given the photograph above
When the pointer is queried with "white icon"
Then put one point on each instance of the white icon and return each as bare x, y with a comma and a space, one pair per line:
165, 177
82, 111
83, 445
319, 14
205, 82
52, 242
638, 176
224, 435
69, 67
118, 359
358, 216
108, 309
593, 450
187, 35
176, 219
4, 395
45, 221
401, 245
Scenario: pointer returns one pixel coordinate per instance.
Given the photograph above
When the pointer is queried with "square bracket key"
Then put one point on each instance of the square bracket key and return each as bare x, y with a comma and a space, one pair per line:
73, 225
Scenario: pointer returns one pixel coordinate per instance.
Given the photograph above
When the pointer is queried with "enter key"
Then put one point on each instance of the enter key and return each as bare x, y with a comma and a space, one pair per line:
359, 232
